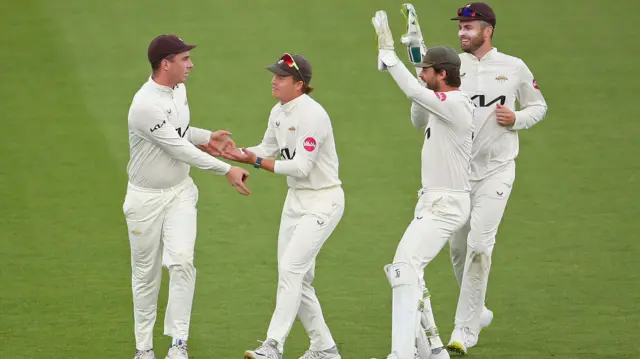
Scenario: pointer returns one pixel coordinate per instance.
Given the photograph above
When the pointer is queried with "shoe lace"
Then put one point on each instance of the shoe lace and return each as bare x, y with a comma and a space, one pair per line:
310, 354
182, 349
142, 353
268, 348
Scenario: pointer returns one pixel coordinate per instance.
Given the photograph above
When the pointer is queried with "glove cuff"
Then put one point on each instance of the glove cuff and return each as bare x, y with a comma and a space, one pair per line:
388, 57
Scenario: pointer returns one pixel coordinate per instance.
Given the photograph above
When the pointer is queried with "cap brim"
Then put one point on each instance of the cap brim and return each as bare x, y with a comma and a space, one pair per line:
422, 65
283, 72
465, 18
278, 70
188, 48
469, 18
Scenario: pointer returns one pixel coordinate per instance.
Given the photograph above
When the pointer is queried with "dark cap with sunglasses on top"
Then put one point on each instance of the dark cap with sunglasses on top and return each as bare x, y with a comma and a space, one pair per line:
292, 65
476, 11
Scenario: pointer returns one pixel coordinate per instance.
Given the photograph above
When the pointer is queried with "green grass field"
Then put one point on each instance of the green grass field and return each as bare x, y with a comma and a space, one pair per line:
566, 271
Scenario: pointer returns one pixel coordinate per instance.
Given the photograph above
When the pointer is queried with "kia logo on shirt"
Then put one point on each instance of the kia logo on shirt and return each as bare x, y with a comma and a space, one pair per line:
309, 144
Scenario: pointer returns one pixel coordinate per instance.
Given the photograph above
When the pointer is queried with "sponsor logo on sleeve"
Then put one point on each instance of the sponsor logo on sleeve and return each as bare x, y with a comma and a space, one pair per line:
309, 144
535, 84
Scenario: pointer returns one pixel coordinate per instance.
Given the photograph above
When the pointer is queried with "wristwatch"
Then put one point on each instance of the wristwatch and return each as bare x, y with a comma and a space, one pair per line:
258, 162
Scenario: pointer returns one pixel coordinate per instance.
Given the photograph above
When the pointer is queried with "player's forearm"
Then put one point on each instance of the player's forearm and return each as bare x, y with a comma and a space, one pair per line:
298, 168
199, 136
261, 151
407, 83
192, 156
529, 116
182, 150
268, 164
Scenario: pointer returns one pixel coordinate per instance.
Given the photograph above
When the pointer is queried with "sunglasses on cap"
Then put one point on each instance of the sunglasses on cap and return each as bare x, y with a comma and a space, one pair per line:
467, 12
288, 60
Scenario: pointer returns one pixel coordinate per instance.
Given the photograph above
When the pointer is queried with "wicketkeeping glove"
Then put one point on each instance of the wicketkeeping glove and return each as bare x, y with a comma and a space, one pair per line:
385, 40
416, 47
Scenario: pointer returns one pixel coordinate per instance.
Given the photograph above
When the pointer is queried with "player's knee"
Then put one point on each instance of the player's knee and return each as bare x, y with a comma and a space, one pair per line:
482, 244
288, 268
401, 273
182, 262
143, 272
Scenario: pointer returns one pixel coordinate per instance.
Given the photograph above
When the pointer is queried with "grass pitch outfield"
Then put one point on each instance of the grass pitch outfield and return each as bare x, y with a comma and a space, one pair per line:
565, 277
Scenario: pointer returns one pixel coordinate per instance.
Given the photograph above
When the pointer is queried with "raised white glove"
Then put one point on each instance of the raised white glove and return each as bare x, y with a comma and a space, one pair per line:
386, 53
381, 25
413, 39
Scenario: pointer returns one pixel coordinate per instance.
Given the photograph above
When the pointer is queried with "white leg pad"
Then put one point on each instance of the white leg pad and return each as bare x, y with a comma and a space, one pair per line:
406, 299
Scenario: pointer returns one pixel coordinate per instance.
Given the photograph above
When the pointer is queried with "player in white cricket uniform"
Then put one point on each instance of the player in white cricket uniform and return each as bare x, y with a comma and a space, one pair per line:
445, 114
160, 204
300, 131
494, 81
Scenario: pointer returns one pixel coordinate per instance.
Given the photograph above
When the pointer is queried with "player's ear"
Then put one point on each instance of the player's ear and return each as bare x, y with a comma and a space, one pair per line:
488, 32
442, 75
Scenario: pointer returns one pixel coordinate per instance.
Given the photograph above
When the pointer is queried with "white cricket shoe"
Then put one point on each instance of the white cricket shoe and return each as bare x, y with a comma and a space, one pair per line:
331, 353
485, 320
178, 351
145, 354
439, 353
457, 344
268, 350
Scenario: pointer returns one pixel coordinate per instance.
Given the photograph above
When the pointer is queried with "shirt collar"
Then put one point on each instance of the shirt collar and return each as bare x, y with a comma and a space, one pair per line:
486, 56
158, 87
289, 106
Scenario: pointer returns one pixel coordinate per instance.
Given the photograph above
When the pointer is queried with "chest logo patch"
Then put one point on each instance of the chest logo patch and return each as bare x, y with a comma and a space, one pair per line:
502, 77
309, 144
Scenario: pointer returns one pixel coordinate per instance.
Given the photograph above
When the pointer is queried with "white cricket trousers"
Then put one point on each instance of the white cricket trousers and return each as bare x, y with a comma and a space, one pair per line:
308, 219
438, 214
162, 231
472, 246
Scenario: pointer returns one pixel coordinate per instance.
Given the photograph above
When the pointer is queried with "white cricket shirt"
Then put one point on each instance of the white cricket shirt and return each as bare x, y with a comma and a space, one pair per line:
300, 132
499, 78
447, 121
161, 142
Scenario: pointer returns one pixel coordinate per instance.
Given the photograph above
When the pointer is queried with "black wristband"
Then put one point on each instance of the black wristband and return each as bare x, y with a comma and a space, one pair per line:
258, 163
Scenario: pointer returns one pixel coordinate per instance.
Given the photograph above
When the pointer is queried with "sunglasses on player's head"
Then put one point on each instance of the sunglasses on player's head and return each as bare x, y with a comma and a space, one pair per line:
467, 12
289, 61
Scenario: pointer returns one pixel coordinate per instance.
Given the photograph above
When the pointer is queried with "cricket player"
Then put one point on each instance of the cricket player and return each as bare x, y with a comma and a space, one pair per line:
300, 131
494, 81
445, 114
160, 204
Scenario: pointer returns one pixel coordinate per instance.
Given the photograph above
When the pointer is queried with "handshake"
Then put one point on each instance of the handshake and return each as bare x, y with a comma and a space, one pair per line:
412, 39
221, 145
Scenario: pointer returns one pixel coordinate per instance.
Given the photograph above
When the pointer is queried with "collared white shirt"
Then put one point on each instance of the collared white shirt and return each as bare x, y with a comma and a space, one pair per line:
499, 78
161, 142
300, 132
447, 121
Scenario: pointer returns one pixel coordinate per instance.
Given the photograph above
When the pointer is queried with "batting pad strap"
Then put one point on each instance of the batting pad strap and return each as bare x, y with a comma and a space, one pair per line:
401, 274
